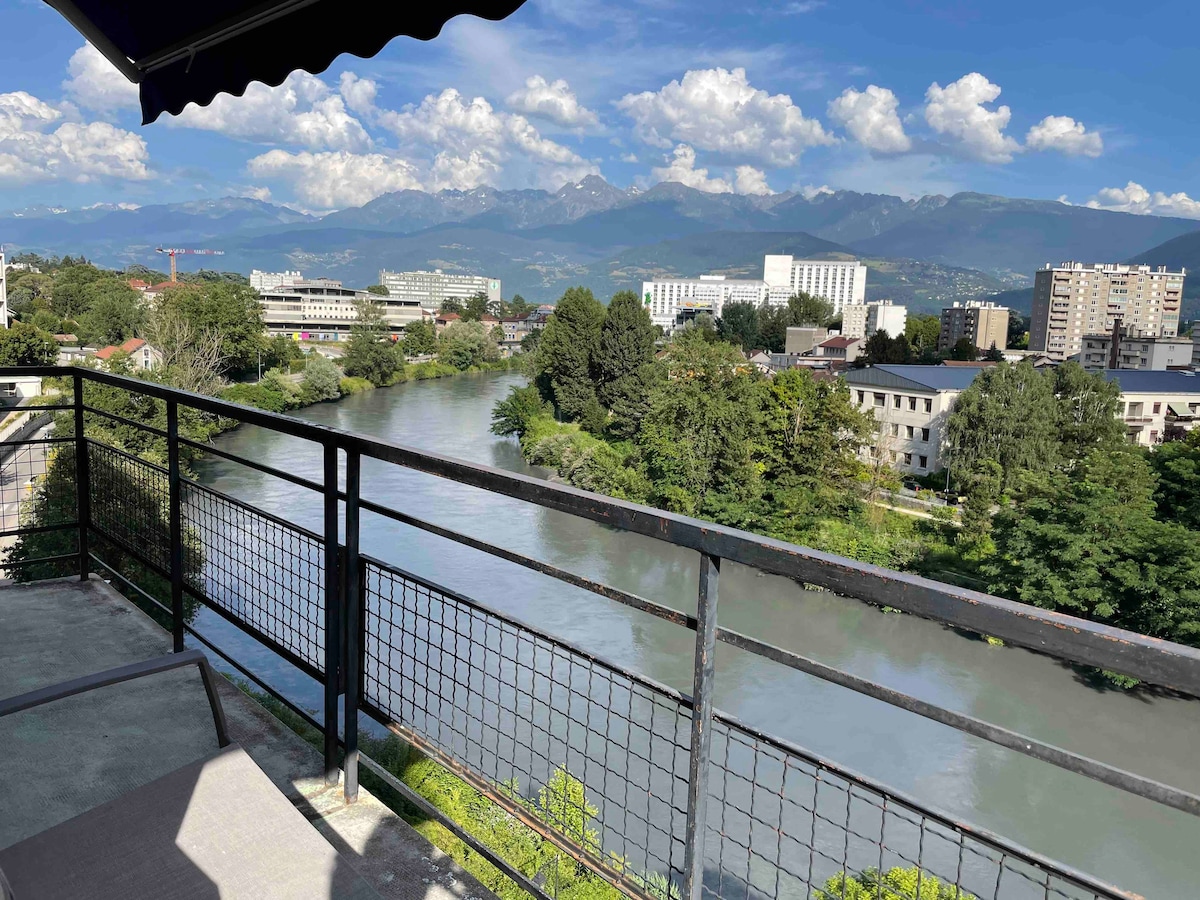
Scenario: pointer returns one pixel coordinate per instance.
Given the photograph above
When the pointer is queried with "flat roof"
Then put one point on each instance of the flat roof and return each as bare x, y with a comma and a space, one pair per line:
1140, 381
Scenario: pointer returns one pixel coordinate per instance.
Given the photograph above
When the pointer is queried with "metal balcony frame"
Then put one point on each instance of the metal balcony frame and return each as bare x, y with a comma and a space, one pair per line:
341, 670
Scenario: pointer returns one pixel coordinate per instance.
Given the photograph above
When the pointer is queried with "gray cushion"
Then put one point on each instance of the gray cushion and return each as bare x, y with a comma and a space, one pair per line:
217, 828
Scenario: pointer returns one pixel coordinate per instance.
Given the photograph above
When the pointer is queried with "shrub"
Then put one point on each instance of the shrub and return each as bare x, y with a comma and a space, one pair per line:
321, 379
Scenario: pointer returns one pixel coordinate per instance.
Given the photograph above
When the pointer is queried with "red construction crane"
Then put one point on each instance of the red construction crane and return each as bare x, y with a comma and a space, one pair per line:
172, 251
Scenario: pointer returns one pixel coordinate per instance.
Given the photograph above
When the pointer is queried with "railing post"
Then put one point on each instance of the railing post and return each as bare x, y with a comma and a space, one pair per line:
333, 613
83, 484
350, 614
175, 502
701, 743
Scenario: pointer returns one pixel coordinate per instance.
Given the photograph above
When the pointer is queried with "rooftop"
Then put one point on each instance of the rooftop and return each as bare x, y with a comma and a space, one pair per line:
1141, 381
933, 378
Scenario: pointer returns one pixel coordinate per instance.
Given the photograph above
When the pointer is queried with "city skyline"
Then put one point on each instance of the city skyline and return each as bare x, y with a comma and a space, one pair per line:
928, 98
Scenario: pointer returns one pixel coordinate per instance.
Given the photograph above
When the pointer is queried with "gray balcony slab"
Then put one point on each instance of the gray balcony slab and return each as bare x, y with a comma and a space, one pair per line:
72, 755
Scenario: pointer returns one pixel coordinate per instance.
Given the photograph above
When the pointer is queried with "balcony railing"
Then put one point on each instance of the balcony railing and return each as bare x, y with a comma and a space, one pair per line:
689, 801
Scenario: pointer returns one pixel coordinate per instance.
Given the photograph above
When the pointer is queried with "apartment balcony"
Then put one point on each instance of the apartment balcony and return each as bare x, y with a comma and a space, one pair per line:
685, 800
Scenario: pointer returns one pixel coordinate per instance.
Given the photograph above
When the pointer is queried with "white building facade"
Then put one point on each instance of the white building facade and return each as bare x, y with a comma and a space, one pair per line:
1157, 406
265, 281
670, 299
841, 282
322, 310
1144, 353
430, 289
861, 320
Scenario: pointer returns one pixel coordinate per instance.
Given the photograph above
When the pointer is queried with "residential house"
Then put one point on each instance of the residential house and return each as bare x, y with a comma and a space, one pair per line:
910, 405
1156, 406
1157, 354
141, 355
845, 349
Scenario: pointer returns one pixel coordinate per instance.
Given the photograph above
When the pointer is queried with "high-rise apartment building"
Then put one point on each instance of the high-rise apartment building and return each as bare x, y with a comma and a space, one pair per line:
838, 281
266, 281
985, 324
430, 289
1073, 300
861, 320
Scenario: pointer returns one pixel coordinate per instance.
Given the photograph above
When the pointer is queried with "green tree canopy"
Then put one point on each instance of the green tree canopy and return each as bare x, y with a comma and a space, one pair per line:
566, 351
626, 344
465, 344
369, 353
224, 308
476, 307
378, 289
420, 338
739, 325
115, 313
1087, 410
922, 332
1177, 467
321, 378
24, 345
805, 309
964, 350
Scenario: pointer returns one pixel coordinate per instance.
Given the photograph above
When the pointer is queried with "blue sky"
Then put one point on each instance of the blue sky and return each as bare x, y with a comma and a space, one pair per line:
1084, 103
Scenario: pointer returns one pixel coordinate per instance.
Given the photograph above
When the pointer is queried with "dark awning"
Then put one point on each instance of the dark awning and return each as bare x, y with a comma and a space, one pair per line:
183, 53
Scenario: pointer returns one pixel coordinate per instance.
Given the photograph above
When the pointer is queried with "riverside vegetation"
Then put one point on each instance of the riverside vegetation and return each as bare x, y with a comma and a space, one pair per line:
1061, 511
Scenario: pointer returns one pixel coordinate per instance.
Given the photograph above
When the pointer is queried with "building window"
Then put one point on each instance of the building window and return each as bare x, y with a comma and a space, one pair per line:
896, 401
908, 431
923, 462
912, 403
925, 435
1153, 436
928, 406
862, 396
908, 459
879, 399
1157, 408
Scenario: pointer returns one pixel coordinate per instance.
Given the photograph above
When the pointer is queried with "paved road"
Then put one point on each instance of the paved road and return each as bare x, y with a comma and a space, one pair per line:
16, 483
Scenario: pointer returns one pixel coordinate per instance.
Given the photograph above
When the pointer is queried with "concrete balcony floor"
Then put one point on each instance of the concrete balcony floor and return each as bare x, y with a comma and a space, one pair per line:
70, 756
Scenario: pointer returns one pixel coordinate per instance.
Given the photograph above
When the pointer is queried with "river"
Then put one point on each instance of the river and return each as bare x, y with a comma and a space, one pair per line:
1119, 838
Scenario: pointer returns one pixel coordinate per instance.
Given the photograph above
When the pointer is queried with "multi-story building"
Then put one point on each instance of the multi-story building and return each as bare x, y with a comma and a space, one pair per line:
3, 292
322, 310
911, 405
862, 320
1157, 406
266, 281
838, 281
801, 339
1075, 299
672, 301
983, 323
1156, 354
431, 289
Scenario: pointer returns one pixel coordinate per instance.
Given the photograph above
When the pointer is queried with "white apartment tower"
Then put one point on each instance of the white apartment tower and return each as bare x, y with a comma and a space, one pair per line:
861, 320
1073, 300
429, 289
668, 298
838, 281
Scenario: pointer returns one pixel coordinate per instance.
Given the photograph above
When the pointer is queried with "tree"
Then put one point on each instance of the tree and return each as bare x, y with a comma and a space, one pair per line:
880, 348
739, 325
192, 358
922, 332
982, 484
1177, 467
1087, 543
451, 305
378, 289
420, 338
321, 378
25, 345
529, 343
512, 415
466, 344
476, 307
1009, 414
964, 350
369, 353
994, 354
805, 309
894, 884
224, 308
280, 351
626, 344
566, 351
518, 306
773, 322
1087, 410
1018, 331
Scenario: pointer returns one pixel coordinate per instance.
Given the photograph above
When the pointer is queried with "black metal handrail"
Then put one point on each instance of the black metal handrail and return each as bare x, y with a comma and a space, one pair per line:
343, 595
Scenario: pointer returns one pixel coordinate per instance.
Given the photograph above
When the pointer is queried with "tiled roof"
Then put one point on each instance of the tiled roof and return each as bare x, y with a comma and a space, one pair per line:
839, 343
133, 344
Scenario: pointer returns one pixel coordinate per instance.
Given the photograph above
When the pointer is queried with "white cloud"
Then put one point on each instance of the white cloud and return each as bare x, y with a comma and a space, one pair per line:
1133, 198
749, 180
359, 93
336, 179
681, 167
720, 111
303, 110
1064, 134
554, 101
871, 119
496, 147
81, 152
800, 7
96, 84
957, 111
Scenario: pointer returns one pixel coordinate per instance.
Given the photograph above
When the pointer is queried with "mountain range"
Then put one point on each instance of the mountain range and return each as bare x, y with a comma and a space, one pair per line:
923, 252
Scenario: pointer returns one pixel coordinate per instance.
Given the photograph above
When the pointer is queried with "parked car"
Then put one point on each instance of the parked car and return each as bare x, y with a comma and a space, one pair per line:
911, 484
952, 497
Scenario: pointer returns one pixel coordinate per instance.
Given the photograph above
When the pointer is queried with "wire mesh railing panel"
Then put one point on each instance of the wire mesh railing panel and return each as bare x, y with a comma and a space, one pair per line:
265, 573
37, 485
599, 756
129, 503
784, 825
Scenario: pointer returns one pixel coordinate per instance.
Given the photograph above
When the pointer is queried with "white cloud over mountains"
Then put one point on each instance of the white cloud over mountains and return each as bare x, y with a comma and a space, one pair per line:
554, 101
335, 179
870, 118
959, 112
41, 142
719, 111
1064, 134
1133, 198
96, 84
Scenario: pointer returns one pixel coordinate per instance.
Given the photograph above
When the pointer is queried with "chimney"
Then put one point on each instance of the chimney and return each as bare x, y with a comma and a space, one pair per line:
1114, 353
